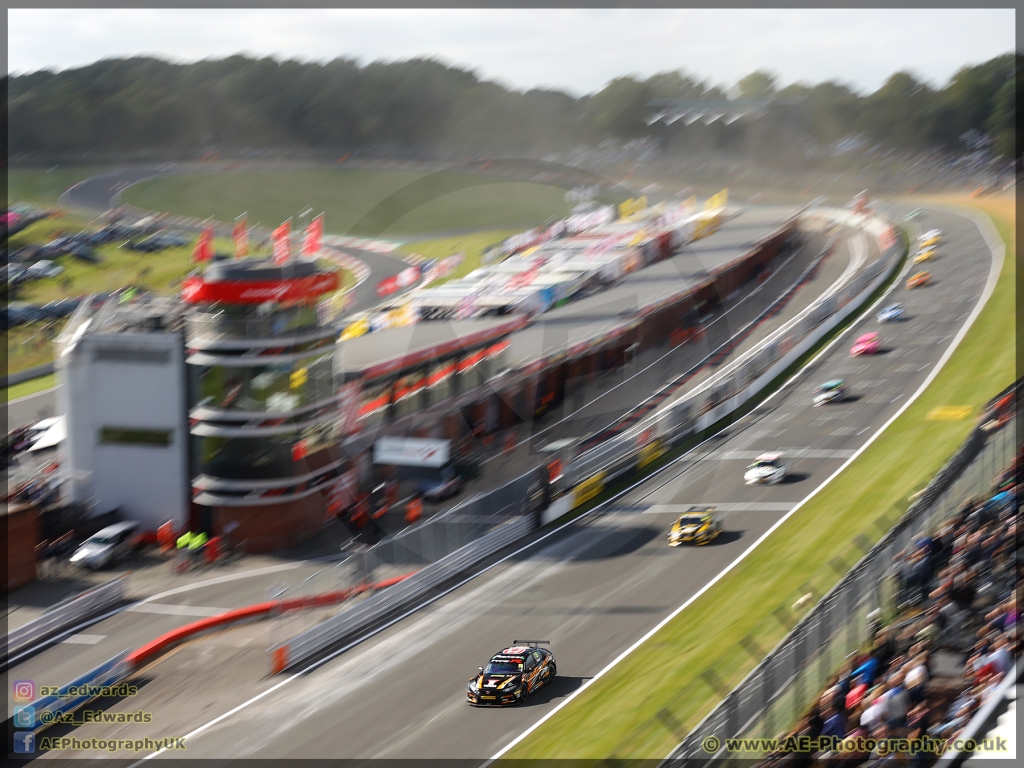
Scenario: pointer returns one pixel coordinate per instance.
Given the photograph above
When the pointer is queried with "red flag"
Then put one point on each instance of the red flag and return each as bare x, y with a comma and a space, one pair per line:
282, 250
314, 234
204, 246
241, 237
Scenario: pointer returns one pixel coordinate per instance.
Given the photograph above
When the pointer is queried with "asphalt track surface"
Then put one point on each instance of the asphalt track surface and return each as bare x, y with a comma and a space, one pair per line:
593, 587
130, 629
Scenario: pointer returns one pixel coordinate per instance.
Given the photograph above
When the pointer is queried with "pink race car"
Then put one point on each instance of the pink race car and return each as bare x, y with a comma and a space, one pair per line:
868, 344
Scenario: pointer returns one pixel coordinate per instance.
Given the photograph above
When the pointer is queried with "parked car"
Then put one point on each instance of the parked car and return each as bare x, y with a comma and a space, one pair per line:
85, 253
107, 546
144, 246
449, 484
19, 313
14, 273
170, 239
58, 246
26, 255
60, 308
44, 268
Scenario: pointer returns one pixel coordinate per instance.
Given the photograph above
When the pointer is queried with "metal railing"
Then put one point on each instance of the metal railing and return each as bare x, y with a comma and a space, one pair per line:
96, 683
779, 690
744, 378
65, 615
468, 530
357, 619
202, 326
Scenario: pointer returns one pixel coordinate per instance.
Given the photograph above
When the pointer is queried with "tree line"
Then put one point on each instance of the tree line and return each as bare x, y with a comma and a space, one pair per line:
424, 106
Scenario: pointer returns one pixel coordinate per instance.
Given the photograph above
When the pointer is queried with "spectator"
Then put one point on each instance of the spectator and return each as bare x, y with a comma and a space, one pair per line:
875, 714
1000, 658
916, 679
965, 575
897, 703
835, 723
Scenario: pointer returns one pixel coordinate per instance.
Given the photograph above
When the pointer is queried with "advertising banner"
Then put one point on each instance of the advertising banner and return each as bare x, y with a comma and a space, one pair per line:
411, 452
195, 289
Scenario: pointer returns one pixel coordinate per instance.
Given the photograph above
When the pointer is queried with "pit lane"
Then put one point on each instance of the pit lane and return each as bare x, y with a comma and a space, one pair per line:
598, 586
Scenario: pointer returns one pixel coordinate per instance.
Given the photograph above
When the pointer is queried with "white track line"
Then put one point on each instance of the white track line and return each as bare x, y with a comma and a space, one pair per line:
176, 591
997, 262
201, 729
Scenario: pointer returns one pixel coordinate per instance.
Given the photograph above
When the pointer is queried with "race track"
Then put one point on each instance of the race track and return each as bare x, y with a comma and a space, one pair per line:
593, 588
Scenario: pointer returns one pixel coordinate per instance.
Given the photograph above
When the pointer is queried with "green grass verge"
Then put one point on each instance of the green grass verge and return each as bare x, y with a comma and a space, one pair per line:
386, 203
43, 186
645, 705
31, 387
160, 273
157, 272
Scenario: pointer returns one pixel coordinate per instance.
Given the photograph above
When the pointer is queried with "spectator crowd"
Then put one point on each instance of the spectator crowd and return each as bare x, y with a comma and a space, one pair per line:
925, 674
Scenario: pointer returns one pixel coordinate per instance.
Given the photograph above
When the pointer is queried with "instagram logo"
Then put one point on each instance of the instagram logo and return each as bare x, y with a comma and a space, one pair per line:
24, 690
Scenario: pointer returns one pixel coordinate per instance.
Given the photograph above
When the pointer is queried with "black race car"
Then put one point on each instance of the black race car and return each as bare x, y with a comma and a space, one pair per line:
513, 674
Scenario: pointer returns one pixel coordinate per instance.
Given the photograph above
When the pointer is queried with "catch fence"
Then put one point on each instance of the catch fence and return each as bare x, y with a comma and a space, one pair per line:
781, 688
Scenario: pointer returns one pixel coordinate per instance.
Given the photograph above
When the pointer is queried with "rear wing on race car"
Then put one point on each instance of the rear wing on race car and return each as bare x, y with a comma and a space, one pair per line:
531, 642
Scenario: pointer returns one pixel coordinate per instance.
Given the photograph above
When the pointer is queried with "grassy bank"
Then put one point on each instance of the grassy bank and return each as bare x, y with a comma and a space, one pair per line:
645, 705
160, 273
31, 387
43, 186
386, 203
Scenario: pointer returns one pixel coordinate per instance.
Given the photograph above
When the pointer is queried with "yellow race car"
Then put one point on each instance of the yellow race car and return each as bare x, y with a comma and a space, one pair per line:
921, 278
931, 237
925, 255
698, 525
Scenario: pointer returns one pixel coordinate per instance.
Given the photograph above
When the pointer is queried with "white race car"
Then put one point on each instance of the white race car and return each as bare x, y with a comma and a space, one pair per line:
768, 468
891, 314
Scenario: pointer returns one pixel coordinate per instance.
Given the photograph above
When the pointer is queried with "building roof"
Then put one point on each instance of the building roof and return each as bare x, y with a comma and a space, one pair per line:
578, 323
383, 352
258, 269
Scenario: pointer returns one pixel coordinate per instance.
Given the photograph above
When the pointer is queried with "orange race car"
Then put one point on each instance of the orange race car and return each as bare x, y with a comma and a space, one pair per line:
921, 278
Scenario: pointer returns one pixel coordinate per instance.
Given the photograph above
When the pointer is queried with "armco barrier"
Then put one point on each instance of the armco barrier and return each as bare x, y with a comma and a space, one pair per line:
747, 377
615, 449
77, 693
617, 457
60, 617
349, 624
